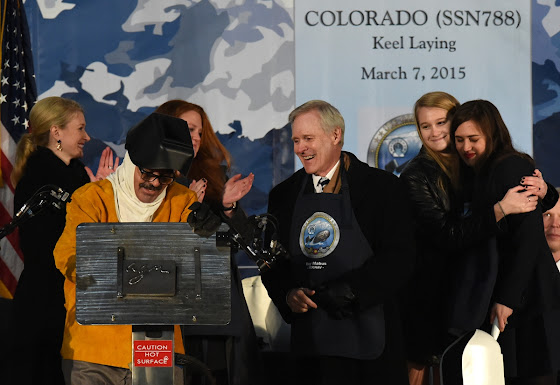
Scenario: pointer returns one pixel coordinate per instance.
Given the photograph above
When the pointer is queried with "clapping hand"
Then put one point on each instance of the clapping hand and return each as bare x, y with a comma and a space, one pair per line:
236, 188
199, 187
106, 166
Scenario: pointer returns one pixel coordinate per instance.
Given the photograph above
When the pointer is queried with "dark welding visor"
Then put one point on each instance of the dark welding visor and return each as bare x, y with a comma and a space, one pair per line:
160, 142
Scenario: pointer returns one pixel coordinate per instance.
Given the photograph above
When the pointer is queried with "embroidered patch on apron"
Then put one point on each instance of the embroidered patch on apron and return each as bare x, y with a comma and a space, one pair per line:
319, 235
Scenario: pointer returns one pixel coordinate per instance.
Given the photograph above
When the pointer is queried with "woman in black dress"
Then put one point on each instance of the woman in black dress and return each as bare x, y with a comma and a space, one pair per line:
48, 155
527, 283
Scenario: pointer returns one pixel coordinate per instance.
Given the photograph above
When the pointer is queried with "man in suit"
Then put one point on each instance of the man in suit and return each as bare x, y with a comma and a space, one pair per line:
350, 237
551, 221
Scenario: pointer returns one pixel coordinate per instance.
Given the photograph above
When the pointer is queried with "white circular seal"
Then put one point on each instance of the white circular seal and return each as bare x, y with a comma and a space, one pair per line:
319, 235
394, 144
398, 147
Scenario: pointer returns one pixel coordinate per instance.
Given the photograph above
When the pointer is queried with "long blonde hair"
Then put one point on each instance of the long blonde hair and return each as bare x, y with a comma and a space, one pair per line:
448, 164
47, 112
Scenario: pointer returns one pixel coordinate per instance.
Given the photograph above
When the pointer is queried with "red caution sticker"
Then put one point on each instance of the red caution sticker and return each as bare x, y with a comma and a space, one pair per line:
153, 353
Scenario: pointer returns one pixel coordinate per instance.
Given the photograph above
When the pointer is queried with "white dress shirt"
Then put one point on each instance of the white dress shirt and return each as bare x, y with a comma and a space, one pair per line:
329, 175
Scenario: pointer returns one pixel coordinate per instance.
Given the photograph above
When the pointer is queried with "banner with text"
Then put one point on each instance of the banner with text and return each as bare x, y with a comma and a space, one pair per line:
374, 60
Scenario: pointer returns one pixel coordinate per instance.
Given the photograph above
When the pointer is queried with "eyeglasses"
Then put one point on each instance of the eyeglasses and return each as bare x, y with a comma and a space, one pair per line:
149, 176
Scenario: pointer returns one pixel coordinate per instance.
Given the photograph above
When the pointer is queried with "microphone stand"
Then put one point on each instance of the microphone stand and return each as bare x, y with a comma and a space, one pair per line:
257, 237
46, 196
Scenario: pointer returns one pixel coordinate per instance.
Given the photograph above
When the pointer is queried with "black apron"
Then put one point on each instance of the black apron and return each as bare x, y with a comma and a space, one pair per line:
326, 241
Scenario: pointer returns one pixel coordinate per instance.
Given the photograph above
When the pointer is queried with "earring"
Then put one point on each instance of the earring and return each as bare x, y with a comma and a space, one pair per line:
59, 145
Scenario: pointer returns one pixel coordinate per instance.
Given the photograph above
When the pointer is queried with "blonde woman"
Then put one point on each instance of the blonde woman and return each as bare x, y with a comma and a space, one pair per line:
48, 155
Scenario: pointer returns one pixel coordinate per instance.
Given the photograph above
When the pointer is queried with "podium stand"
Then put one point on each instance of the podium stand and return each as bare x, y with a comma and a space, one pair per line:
152, 276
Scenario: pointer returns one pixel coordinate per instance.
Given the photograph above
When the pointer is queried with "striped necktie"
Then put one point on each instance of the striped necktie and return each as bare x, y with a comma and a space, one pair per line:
322, 183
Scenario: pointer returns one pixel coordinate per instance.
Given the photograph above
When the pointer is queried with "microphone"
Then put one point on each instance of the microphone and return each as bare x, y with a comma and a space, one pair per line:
42, 198
257, 236
47, 196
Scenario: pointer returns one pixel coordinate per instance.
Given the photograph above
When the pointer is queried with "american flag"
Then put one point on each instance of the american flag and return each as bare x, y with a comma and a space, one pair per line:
17, 95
